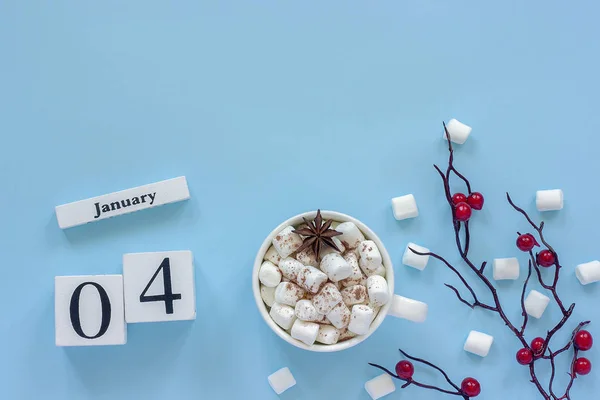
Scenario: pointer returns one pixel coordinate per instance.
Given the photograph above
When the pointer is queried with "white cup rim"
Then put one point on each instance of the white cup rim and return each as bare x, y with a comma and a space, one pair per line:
262, 307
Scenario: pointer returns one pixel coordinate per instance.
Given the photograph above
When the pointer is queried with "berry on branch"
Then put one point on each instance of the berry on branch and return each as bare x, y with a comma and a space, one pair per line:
524, 356
537, 346
458, 198
583, 340
582, 366
470, 387
545, 258
462, 212
475, 200
526, 242
405, 369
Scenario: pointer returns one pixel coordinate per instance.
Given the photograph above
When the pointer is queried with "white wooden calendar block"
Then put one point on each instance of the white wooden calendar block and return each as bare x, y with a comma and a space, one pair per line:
122, 202
89, 310
159, 286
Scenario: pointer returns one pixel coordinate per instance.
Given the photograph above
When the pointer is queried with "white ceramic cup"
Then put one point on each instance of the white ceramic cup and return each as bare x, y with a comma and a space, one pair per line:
262, 307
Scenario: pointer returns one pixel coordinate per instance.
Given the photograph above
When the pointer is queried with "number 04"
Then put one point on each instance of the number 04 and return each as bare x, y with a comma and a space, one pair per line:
168, 297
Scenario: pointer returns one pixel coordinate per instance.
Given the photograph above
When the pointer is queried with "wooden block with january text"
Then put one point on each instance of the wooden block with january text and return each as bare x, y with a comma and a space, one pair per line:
123, 202
159, 286
89, 310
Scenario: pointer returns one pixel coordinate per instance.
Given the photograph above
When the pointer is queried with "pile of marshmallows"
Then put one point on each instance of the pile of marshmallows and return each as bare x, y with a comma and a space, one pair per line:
326, 302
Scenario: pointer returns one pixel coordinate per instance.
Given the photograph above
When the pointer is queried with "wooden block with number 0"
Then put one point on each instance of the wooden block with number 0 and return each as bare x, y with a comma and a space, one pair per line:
89, 310
159, 286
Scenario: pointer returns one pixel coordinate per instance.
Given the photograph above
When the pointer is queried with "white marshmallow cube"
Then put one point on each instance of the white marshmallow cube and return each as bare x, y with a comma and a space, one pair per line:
283, 315
339, 316
458, 131
288, 293
345, 334
336, 267
405, 207
380, 386
330, 250
379, 293
370, 257
286, 242
311, 279
360, 320
536, 303
414, 260
281, 380
412, 310
352, 295
327, 298
328, 334
549, 200
306, 332
478, 343
351, 236
267, 294
307, 257
381, 271
306, 311
272, 255
588, 272
506, 268
269, 275
290, 268
356, 276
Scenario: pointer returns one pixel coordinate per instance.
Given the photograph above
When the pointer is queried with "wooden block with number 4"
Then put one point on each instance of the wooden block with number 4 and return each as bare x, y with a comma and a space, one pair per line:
159, 286
89, 311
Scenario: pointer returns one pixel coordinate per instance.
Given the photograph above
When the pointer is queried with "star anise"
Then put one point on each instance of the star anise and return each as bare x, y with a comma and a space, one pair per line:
317, 235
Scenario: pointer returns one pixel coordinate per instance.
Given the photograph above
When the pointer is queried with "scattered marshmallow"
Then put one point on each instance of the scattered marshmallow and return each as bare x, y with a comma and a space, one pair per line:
549, 200
379, 293
330, 250
281, 380
479, 343
306, 311
290, 268
380, 386
345, 334
351, 236
307, 257
506, 268
336, 267
327, 298
273, 256
412, 310
370, 257
339, 316
458, 131
588, 272
536, 303
269, 275
360, 320
283, 315
414, 260
267, 294
328, 334
356, 276
286, 242
288, 293
356, 294
311, 279
306, 332
405, 207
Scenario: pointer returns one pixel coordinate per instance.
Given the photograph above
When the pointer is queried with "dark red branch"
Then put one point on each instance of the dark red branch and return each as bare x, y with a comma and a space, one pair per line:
523, 312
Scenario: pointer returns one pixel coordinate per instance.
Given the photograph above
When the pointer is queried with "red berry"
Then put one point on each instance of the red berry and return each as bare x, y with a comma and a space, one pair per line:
584, 340
526, 242
462, 212
545, 258
475, 200
458, 198
582, 366
470, 387
537, 346
405, 369
524, 356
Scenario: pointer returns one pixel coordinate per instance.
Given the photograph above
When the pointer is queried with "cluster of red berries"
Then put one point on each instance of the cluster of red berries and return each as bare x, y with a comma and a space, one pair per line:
464, 205
582, 341
526, 242
469, 386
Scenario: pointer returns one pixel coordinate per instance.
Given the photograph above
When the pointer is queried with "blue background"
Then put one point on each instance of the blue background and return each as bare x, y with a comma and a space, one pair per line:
270, 109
